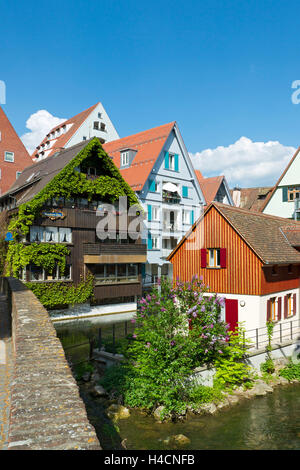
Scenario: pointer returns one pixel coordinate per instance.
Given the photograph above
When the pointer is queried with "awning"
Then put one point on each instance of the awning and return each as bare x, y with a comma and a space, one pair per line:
172, 188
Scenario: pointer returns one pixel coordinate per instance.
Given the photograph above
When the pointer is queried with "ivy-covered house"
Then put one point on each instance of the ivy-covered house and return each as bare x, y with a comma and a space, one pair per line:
50, 216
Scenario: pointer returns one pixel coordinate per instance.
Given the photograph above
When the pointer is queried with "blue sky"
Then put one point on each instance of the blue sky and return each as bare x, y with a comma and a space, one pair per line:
222, 69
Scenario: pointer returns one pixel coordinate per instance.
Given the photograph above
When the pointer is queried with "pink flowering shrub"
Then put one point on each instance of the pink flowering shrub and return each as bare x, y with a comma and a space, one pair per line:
178, 328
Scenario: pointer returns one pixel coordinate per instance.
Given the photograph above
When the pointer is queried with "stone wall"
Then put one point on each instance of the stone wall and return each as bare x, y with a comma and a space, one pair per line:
46, 409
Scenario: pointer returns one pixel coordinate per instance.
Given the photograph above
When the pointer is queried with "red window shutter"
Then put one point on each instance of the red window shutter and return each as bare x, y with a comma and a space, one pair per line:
268, 310
223, 257
285, 306
279, 309
203, 257
294, 304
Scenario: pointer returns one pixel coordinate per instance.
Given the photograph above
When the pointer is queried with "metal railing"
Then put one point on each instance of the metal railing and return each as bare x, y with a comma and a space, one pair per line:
283, 332
109, 337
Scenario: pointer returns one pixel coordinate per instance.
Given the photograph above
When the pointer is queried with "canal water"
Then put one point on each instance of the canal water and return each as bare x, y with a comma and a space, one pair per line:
271, 422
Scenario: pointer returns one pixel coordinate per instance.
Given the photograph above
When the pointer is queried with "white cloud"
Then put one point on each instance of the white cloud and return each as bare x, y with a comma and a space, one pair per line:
245, 163
39, 124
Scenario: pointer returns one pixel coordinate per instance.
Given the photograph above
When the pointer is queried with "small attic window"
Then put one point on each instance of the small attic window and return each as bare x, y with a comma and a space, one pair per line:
99, 115
124, 158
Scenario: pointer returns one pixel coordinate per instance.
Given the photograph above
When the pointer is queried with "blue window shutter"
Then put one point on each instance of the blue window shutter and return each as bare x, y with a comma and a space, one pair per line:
192, 217
284, 194
152, 185
167, 160
149, 241
185, 191
149, 213
176, 162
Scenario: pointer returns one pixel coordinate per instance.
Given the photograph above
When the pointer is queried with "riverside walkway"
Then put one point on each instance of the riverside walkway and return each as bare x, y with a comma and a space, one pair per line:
5, 371
40, 404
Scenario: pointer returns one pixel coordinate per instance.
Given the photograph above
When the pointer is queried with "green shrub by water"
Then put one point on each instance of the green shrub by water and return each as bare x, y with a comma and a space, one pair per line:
291, 372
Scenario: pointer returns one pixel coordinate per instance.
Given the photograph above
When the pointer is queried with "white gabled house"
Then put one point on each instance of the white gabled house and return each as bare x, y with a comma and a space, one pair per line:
92, 122
284, 200
157, 166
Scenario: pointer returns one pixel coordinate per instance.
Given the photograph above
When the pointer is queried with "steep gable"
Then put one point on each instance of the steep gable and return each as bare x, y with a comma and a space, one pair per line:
10, 142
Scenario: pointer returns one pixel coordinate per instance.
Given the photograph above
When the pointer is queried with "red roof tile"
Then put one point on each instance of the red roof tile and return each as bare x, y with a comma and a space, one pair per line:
61, 141
209, 186
148, 144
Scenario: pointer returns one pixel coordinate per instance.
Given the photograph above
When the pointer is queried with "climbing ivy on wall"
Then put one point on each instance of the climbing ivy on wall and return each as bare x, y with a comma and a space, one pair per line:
68, 183
46, 255
62, 293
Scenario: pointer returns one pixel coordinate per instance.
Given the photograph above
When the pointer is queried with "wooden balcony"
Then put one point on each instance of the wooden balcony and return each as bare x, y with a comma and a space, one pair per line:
103, 253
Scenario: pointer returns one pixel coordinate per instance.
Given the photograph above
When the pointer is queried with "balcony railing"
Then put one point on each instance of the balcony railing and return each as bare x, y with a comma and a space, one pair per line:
171, 198
100, 280
114, 249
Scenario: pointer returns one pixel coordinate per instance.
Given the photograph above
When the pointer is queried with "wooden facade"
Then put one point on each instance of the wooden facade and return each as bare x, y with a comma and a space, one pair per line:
244, 271
87, 251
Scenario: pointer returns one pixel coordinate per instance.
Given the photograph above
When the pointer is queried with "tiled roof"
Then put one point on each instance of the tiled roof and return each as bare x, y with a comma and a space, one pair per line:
209, 186
62, 140
265, 234
253, 199
278, 182
148, 144
36, 176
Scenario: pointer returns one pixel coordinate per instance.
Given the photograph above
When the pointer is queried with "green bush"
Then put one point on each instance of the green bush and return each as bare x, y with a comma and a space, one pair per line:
203, 394
231, 370
177, 329
291, 371
268, 366
81, 369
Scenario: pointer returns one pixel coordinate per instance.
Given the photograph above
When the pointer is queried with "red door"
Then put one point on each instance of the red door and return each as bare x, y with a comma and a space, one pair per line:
231, 313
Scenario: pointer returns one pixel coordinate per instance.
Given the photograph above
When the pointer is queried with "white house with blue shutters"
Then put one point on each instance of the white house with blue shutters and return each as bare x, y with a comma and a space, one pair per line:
173, 200
284, 200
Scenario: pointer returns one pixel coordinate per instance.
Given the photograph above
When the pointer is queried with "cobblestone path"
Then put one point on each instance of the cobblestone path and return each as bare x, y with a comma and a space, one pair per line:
5, 371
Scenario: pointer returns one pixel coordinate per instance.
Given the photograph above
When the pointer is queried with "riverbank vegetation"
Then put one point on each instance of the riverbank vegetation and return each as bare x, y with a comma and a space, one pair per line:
177, 329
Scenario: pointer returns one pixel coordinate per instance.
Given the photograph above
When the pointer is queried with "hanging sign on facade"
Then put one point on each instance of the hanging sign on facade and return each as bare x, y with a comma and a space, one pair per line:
53, 214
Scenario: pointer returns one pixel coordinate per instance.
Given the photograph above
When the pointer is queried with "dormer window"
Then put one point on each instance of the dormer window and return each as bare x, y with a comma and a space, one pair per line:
124, 158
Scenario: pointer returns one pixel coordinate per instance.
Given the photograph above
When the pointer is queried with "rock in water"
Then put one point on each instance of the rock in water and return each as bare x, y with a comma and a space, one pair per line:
98, 391
116, 412
158, 414
180, 439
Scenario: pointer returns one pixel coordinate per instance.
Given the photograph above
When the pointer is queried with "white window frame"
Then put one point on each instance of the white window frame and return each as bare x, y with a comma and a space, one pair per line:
155, 213
155, 242
124, 158
5, 156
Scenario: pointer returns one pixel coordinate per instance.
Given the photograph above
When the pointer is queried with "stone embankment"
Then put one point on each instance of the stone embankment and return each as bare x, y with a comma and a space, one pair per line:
46, 410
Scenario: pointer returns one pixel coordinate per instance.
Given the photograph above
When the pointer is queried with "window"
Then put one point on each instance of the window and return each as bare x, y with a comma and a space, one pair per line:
155, 243
289, 303
294, 193
38, 273
213, 258
9, 156
115, 273
96, 125
124, 158
50, 234
18, 174
84, 137
155, 213
186, 216
102, 125
99, 115
273, 309
171, 161
153, 186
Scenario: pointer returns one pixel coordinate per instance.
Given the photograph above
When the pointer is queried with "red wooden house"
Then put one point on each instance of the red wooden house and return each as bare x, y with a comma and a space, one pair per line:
252, 259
